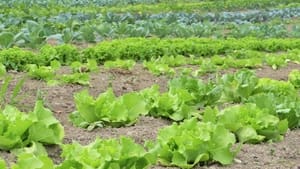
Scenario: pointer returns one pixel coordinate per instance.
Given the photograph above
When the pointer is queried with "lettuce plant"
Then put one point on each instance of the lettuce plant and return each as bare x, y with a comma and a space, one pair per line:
18, 129
191, 142
105, 154
107, 109
249, 123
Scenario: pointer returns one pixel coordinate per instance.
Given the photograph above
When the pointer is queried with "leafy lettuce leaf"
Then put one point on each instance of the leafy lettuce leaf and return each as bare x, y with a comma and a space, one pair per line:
2, 164
284, 107
75, 78
18, 129
294, 78
107, 109
124, 64
14, 126
111, 153
172, 105
238, 86
46, 128
186, 144
249, 122
159, 68
278, 88
33, 157
204, 94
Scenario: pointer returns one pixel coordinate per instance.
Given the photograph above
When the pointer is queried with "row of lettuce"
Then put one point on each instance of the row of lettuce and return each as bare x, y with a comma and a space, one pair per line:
187, 95
172, 65
140, 49
46, 65
209, 117
79, 73
253, 110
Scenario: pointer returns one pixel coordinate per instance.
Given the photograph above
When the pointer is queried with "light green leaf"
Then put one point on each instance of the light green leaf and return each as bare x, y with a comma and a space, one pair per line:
6, 39
248, 134
2, 164
85, 105
46, 128
2, 70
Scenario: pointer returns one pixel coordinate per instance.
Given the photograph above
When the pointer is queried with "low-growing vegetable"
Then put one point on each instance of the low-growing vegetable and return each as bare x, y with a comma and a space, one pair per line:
124, 64
294, 78
191, 142
75, 78
238, 86
277, 87
50, 75
18, 129
250, 123
107, 109
33, 157
2, 164
43, 72
13, 128
275, 61
46, 128
284, 107
111, 153
90, 66
204, 94
159, 68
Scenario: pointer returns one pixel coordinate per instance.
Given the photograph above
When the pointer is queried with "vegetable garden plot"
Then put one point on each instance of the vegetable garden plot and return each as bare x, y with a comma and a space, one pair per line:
192, 84
140, 131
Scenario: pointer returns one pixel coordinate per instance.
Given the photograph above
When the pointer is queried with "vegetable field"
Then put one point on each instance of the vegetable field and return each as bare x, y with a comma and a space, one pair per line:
149, 84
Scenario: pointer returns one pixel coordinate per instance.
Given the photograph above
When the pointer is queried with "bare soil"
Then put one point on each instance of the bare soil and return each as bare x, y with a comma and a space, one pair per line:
59, 99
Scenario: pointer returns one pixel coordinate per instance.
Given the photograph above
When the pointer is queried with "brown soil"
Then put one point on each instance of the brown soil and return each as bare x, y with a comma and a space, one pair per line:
59, 99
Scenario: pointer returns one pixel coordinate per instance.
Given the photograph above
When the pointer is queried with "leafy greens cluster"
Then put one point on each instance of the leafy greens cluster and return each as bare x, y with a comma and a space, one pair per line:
18, 129
107, 109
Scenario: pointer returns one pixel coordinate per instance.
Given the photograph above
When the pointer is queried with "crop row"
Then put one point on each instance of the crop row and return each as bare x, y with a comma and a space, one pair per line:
34, 35
254, 120
202, 134
141, 49
32, 31
165, 65
185, 96
82, 2
168, 65
122, 3
52, 9
169, 17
